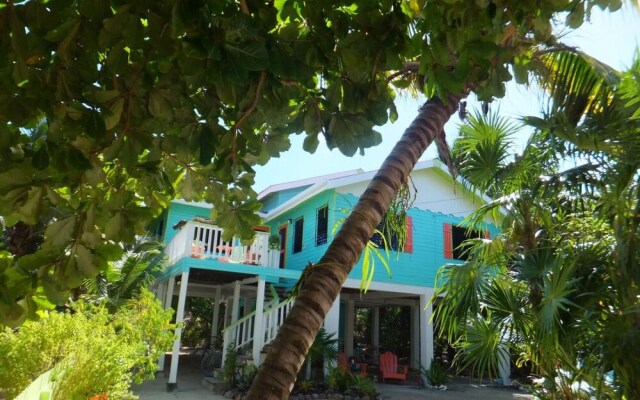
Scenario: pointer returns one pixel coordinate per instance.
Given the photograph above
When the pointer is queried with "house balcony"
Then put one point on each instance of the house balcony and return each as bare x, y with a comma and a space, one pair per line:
204, 241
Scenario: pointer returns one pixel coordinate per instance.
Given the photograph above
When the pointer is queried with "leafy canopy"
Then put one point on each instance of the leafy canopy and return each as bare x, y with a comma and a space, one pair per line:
111, 108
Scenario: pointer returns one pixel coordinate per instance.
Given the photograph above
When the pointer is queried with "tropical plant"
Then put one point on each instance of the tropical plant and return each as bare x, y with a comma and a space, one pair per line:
556, 286
359, 385
274, 241
93, 352
437, 374
139, 266
325, 347
338, 378
117, 106
230, 365
246, 376
305, 386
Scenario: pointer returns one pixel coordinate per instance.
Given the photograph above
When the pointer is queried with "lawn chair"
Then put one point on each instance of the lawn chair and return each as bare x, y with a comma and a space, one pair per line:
389, 368
361, 368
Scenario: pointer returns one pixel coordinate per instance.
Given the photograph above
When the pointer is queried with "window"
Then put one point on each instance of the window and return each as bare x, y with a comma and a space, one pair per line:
323, 225
392, 238
454, 238
298, 227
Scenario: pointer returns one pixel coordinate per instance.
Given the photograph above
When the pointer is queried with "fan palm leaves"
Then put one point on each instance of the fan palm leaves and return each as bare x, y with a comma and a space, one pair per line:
559, 285
138, 268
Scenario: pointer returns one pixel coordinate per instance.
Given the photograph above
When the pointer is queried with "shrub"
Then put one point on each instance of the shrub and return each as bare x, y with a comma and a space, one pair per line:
338, 379
361, 386
438, 374
229, 365
305, 386
246, 376
94, 352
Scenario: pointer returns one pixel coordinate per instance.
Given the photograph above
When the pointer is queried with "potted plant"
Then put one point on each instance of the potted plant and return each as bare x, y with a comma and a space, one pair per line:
274, 241
274, 250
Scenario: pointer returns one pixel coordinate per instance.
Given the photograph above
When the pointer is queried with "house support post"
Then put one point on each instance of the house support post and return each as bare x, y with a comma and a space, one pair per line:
229, 336
216, 316
426, 331
332, 325
348, 328
168, 297
182, 297
375, 332
258, 333
505, 365
415, 336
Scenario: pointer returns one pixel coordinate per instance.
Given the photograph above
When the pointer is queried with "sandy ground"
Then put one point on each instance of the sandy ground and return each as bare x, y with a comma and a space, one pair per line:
190, 388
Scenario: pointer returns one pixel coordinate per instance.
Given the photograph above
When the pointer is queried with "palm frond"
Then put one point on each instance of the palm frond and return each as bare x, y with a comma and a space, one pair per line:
577, 84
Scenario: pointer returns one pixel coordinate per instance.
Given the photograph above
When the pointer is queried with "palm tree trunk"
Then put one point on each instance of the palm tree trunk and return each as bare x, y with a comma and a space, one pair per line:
324, 281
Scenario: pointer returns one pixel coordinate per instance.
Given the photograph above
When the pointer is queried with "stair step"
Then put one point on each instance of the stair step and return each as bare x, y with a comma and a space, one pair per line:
213, 384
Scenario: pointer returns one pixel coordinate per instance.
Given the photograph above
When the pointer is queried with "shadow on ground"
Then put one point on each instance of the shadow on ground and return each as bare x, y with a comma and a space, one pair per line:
190, 388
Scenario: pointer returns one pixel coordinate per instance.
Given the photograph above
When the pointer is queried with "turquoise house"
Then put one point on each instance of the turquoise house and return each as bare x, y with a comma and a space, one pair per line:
253, 279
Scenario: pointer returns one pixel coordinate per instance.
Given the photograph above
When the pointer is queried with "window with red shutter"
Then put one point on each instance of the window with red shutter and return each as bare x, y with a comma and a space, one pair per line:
408, 243
454, 238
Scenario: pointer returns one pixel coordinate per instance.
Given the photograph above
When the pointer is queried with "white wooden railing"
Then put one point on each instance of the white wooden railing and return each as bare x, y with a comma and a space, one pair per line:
241, 333
273, 319
200, 240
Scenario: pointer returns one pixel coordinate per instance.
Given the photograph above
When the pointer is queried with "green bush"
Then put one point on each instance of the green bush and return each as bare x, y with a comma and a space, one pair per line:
246, 377
305, 386
229, 365
361, 386
438, 374
338, 379
95, 352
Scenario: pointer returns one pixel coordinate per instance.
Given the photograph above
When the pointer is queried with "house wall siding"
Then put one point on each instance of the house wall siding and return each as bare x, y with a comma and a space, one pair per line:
179, 212
273, 200
420, 267
310, 252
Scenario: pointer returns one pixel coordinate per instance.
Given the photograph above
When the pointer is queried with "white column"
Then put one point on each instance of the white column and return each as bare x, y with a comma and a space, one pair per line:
235, 310
168, 297
332, 325
348, 328
415, 336
216, 316
426, 331
236, 302
226, 313
258, 333
375, 331
182, 297
505, 365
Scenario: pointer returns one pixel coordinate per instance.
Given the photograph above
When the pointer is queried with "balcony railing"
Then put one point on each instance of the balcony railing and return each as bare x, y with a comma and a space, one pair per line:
201, 240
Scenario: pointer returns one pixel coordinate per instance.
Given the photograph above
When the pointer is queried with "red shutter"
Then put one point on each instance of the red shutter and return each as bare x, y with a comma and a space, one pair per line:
408, 244
487, 234
448, 241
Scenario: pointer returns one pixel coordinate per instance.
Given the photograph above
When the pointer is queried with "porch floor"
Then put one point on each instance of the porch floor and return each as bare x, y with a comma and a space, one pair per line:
190, 387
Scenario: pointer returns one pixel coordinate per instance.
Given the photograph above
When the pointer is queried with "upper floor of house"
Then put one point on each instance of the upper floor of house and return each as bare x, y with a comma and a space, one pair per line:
305, 214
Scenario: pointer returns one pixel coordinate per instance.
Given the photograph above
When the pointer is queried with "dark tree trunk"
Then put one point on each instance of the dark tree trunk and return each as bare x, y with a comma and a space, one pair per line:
323, 283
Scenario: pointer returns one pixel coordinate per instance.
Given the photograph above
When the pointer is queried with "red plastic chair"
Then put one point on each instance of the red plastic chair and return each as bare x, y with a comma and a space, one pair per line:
389, 368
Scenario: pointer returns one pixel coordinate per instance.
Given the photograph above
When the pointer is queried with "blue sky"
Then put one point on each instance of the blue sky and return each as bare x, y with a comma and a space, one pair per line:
610, 37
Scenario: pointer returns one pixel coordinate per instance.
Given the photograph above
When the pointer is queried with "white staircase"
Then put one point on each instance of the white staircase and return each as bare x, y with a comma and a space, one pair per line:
242, 333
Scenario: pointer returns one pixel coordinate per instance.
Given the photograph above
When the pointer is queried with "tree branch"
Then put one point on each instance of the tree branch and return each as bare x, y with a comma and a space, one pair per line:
254, 103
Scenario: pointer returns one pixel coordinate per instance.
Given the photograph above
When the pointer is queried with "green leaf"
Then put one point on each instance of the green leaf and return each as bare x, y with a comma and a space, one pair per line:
251, 56
113, 227
95, 126
310, 143
60, 232
40, 159
312, 120
159, 106
30, 211
114, 112
85, 262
